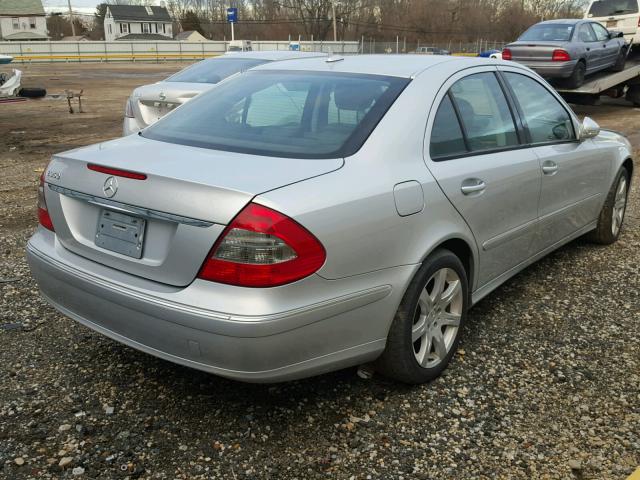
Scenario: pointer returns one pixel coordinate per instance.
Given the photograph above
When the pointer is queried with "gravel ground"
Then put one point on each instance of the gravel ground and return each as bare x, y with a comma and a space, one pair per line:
546, 384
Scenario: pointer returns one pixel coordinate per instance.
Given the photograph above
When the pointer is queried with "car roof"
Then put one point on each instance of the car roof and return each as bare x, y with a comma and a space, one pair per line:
405, 66
273, 55
570, 21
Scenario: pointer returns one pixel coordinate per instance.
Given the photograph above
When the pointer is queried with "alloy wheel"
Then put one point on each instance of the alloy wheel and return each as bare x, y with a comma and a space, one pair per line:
437, 318
619, 206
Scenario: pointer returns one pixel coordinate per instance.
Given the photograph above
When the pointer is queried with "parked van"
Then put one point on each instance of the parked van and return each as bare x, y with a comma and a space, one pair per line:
239, 46
620, 15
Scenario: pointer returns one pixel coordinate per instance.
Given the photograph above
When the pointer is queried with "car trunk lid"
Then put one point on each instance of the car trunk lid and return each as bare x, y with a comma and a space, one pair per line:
160, 227
534, 51
152, 102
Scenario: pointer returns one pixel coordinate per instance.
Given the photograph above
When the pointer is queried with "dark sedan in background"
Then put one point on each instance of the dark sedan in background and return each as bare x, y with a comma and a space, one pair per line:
568, 49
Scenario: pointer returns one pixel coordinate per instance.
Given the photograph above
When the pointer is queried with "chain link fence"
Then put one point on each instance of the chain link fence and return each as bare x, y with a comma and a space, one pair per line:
400, 45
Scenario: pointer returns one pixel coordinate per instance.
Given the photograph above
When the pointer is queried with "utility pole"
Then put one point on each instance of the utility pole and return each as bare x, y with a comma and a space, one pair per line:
73, 27
333, 14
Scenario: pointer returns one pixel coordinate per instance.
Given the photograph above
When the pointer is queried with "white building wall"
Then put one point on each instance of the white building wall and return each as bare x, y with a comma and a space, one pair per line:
24, 24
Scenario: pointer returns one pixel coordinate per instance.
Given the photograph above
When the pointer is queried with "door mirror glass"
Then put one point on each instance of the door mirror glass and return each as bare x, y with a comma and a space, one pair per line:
589, 128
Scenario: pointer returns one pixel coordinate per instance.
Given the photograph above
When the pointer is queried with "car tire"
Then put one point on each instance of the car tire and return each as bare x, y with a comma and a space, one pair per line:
612, 214
633, 95
32, 92
577, 76
426, 329
621, 60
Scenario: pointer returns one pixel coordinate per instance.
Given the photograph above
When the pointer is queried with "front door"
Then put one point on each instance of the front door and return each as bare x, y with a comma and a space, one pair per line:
573, 172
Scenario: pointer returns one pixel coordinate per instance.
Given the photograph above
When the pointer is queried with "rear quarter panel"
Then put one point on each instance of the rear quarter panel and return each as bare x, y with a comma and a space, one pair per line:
352, 211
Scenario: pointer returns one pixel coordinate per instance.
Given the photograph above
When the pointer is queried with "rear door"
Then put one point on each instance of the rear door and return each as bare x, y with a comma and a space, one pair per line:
474, 150
573, 172
585, 35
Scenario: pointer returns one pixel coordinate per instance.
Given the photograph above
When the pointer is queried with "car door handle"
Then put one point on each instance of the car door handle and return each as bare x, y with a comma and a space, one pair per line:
549, 168
472, 185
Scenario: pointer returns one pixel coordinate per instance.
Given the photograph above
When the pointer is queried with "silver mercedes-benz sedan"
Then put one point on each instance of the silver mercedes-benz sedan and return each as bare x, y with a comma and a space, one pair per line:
149, 103
322, 213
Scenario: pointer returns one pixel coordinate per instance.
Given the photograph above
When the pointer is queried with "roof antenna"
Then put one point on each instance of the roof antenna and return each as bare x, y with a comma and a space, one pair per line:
332, 58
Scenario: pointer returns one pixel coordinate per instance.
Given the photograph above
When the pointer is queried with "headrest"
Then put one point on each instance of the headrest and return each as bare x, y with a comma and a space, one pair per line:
356, 96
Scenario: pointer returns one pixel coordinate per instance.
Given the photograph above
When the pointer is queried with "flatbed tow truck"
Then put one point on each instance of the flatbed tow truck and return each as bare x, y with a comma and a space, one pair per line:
612, 84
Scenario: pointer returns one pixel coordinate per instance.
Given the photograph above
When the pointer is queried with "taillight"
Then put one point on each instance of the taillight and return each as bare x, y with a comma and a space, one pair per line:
43, 214
506, 54
128, 109
263, 248
560, 56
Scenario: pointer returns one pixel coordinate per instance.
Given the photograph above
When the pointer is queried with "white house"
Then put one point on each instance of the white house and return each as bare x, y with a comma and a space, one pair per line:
136, 22
22, 20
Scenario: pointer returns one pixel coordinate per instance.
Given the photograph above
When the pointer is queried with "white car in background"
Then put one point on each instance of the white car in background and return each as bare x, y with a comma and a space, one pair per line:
620, 15
150, 103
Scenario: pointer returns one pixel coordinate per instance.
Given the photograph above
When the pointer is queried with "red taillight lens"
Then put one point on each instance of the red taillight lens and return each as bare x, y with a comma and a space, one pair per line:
560, 56
117, 172
263, 248
506, 54
43, 214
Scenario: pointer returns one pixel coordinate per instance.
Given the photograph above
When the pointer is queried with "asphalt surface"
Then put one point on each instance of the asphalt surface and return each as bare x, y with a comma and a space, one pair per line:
546, 384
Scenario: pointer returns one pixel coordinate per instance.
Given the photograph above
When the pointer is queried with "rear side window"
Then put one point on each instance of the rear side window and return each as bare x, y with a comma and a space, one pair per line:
214, 70
484, 112
609, 8
585, 33
544, 116
283, 114
446, 134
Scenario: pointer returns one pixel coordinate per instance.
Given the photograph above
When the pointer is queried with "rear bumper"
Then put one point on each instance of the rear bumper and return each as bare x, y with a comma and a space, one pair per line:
339, 323
552, 69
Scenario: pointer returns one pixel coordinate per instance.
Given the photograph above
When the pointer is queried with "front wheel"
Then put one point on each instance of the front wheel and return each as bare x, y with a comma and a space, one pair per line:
612, 213
425, 332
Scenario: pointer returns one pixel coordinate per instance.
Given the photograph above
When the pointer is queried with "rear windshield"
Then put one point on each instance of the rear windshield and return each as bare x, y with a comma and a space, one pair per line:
214, 70
609, 8
283, 114
548, 32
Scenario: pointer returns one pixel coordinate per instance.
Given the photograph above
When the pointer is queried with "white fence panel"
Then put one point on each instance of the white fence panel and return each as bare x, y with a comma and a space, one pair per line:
156, 51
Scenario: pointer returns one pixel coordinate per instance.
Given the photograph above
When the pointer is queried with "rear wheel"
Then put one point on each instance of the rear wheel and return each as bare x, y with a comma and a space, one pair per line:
425, 332
577, 77
612, 213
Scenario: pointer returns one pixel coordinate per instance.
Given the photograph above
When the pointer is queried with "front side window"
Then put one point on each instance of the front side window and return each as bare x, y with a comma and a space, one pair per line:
484, 112
544, 116
585, 33
283, 114
602, 34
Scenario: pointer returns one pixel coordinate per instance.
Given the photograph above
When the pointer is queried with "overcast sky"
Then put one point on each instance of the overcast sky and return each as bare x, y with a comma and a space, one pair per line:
80, 5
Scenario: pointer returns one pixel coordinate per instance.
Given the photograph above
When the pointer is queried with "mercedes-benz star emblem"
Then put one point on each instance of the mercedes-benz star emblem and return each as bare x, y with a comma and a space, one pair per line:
110, 186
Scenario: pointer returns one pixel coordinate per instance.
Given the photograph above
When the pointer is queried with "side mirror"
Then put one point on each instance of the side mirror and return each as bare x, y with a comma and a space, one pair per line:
588, 129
